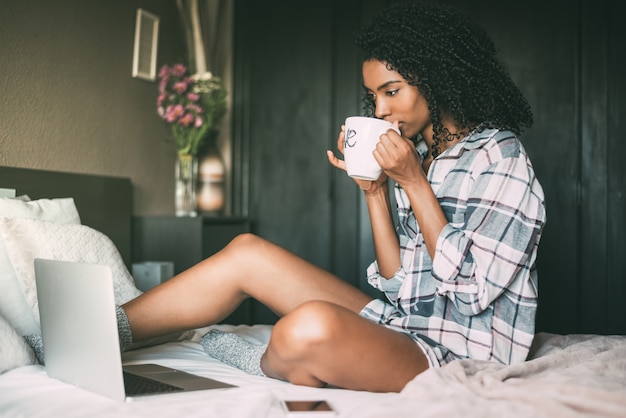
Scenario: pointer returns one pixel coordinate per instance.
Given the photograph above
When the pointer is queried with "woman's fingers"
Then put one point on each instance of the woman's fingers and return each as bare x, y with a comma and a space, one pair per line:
398, 157
387, 149
341, 139
393, 148
365, 185
334, 161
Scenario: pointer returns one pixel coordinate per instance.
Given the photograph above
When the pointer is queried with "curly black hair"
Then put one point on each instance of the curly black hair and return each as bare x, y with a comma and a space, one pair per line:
452, 62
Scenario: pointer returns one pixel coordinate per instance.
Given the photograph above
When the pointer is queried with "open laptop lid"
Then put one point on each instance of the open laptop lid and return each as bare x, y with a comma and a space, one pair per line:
79, 327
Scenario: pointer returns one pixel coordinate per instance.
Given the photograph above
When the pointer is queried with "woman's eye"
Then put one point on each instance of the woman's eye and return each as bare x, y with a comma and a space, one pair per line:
391, 92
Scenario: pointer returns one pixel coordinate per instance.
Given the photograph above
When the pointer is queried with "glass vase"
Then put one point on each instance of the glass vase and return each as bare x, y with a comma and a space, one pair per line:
186, 180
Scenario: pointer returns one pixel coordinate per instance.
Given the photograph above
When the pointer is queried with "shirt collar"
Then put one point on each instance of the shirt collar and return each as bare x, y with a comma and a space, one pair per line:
474, 140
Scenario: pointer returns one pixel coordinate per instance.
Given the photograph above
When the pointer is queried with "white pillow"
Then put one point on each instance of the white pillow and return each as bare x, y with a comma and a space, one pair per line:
58, 210
12, 302
27, 239
14, 352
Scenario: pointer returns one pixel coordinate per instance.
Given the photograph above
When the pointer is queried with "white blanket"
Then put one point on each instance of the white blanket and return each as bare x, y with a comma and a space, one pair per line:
568, 376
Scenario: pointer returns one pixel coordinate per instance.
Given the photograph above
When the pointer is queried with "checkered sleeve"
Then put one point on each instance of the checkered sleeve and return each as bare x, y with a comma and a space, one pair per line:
390, 286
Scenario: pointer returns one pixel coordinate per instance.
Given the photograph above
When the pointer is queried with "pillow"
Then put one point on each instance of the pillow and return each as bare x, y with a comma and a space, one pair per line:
14, 352
27, 239
58, 210
12, 303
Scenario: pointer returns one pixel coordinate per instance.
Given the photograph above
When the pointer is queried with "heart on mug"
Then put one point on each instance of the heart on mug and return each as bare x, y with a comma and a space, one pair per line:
350, 134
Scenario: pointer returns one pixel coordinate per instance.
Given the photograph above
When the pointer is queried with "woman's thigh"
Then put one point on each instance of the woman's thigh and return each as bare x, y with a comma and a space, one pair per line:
247, 267
322, 343
275, 276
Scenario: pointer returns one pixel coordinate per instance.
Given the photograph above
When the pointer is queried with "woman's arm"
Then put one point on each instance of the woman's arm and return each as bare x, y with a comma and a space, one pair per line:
426, 209
386, 244
401, 161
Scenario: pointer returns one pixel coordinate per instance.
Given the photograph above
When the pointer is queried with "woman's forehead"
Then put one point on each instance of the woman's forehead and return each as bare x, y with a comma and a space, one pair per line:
377, 75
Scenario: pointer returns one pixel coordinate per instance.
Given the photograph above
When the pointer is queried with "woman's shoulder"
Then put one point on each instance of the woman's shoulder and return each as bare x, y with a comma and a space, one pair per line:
481, 151
495, 143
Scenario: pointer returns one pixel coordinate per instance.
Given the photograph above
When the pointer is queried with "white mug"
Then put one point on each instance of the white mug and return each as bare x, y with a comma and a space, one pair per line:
361, 135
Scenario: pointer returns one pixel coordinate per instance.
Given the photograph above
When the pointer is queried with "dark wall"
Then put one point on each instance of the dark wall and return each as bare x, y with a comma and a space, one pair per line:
298, 77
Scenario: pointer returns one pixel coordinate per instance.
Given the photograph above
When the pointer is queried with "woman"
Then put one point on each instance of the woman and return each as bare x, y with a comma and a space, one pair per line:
458, 272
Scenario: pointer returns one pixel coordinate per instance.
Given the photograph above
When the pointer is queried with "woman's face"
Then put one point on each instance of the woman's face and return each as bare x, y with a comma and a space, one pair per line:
396, 100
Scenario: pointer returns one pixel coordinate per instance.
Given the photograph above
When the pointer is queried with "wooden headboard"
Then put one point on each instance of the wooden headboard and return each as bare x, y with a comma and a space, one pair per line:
104, 203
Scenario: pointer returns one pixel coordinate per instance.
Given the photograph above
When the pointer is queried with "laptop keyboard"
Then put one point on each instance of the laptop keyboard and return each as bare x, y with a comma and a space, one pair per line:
137, 385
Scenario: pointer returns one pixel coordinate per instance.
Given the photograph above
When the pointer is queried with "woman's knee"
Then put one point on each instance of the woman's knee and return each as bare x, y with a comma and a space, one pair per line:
246, 244
307, 328
245, 240
299, 342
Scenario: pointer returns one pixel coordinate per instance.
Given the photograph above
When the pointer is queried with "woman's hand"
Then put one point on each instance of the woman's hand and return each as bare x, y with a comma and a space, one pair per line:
398, 158
365, 185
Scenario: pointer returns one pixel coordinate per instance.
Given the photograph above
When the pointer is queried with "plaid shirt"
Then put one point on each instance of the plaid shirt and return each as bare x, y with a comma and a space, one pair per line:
478, 298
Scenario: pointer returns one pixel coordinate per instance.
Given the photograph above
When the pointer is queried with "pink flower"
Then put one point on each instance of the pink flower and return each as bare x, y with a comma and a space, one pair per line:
186, 120
194, 97
198, 123
163, 84
164, 72
193, 108
180, 87
173, 112
178, 70
161, 99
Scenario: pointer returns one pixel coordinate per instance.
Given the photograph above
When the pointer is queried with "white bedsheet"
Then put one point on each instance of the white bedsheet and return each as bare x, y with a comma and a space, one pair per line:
29, 392
570, 376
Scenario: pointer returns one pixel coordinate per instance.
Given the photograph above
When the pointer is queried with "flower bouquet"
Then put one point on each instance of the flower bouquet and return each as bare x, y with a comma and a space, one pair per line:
192, 105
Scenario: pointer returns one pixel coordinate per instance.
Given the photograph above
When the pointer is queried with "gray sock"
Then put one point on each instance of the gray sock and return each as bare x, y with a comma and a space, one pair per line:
123, 329
36, 343
234, 351
126, 337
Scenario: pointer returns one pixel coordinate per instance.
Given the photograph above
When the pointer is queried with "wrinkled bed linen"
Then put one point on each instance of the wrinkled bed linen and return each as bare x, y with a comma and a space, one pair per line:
566, 376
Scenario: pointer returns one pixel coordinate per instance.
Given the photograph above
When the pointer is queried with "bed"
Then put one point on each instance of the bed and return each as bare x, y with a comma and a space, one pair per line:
565, 375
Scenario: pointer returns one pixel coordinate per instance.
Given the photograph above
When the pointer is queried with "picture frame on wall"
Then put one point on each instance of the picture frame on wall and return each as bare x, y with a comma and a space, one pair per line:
146, 43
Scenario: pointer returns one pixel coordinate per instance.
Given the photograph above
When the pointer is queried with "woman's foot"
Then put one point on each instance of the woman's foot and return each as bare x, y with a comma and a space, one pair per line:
234, 351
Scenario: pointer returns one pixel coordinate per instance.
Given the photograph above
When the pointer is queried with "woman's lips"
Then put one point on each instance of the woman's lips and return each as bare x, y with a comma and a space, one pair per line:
401, 127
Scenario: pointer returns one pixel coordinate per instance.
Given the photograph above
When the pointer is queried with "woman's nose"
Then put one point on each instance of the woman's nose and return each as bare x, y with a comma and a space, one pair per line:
382, 109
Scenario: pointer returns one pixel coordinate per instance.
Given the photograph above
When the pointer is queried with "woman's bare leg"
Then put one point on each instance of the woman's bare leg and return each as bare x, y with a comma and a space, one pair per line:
321, 343
320, 339
248, 267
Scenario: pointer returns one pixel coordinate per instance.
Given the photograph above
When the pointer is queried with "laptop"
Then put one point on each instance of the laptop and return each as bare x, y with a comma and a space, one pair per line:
81, 341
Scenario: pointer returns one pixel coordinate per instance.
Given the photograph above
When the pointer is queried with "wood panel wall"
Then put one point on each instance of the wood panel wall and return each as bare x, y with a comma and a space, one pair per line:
297, 76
